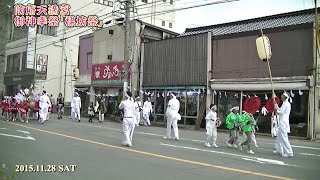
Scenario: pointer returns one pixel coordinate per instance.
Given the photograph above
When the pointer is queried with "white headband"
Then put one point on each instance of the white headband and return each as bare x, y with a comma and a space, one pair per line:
172, 95
286, 94
235, 108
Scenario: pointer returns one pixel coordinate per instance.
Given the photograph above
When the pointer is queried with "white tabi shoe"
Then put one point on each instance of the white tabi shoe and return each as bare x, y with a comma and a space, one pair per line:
276, 152
250, 152
165, 137
235, 146
240, 147
229, 145
215, 145
207, 145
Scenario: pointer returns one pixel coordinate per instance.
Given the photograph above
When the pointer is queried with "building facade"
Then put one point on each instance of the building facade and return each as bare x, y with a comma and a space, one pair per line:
177, 65
238, 73
5, 31
53, 50
101, 61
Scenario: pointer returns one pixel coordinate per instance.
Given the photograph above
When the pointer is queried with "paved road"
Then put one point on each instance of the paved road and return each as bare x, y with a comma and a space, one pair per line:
96, 151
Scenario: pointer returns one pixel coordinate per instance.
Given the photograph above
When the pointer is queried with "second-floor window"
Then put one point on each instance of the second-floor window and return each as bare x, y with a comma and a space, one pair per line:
170, 25
145, 1
13, 63
163, 23
171, 1
24, 60
47, 30
89, 60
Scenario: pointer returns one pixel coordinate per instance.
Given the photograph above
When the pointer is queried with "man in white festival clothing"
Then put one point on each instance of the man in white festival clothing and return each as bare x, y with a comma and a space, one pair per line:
173, 117
283, 146
128, 123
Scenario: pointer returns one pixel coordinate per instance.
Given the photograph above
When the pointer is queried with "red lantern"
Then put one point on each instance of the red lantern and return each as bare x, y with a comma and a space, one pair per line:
270, 105
252, 105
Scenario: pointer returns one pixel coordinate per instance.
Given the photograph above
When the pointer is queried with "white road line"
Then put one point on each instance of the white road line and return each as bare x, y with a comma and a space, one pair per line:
307, 154
26, 132
193, 140
248, 159
21, 137
305, 147
3, 128
254, 159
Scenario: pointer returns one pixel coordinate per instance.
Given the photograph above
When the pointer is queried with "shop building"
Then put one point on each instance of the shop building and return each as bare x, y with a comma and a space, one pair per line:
177, 65
237, 71
101, 61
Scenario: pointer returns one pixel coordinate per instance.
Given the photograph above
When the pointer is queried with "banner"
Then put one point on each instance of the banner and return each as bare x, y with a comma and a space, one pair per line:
109, 73
41, 67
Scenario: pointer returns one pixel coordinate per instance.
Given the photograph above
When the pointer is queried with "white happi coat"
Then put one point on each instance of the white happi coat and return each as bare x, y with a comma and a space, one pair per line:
147, 108
172, 117
128, 123
282, 142
137, 105
44, 104
75, 107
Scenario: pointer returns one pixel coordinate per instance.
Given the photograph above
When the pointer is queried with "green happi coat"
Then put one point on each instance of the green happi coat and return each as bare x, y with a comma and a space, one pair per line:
232, 119
247, 122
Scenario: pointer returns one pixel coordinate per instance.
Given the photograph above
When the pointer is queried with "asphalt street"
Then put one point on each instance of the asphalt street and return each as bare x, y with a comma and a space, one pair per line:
72, 150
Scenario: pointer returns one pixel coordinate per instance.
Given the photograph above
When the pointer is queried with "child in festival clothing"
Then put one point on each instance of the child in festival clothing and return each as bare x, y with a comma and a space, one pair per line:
91, 112
254, 129
211, 127
14, 109
246, 123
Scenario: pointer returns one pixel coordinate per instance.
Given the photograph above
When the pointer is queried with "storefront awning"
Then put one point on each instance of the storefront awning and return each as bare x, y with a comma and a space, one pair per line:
173, 87
260, 84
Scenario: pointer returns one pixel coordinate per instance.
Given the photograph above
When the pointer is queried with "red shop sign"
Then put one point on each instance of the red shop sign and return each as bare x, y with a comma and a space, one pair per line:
252, 105
109, 73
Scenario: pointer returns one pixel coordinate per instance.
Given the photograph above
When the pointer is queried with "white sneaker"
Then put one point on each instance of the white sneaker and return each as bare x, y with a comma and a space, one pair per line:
240, 147
235, 146
177, 139
214, 145
27, 122
229, 145
250, 152
285, 155
276, 152
166, 137
207, 145
256, 146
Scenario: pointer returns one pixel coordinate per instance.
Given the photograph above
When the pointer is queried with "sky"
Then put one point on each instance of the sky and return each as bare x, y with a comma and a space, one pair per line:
233, 11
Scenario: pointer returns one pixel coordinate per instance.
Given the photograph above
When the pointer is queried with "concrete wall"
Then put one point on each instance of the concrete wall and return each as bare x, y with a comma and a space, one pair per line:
157, 6
105, 44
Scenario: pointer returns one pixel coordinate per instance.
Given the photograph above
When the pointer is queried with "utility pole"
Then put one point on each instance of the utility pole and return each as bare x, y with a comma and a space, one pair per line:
126, 44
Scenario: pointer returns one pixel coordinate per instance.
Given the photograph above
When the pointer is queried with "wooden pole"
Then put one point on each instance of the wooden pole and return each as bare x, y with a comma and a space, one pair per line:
270, 75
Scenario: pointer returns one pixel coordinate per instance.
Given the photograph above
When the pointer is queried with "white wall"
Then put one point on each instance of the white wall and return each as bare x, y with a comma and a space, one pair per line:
157, 6
105, 44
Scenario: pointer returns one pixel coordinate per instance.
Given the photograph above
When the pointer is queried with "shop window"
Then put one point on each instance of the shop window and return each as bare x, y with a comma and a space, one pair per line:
13, 63
192, 102
225, 102
298, 116
190, 121
159, 105
163, 23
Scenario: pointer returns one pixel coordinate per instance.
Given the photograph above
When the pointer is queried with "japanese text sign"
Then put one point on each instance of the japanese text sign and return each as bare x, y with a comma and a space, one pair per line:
109, 73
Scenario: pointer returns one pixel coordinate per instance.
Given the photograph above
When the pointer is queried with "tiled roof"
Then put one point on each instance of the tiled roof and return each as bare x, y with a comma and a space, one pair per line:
268, 22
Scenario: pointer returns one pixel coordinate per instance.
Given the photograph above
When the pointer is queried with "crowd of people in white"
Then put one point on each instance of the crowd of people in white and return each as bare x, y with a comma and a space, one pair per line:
40, 105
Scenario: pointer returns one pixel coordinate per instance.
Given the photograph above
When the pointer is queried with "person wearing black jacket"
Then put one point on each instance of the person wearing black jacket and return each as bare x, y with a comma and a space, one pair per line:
60, 106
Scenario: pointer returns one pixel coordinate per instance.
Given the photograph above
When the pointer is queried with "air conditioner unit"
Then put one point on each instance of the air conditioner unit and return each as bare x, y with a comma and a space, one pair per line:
110, 57
110, 31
